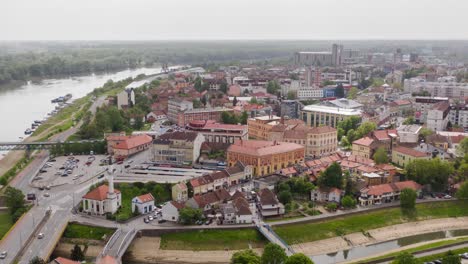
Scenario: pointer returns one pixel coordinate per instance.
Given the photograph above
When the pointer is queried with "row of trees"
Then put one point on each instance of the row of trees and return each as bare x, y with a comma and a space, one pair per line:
78, 148
407, 258
272, 254
231, 118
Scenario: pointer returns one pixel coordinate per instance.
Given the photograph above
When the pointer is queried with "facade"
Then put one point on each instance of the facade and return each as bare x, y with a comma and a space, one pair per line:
309, 92
185, 117
268, 204
170, 211
260, 126
207, 201
326, 195
459, 115
155, 116
385, 193
178, 147
237, 211
125, 146
401, 156
423, 104
290, 108
180, 192
102, 200
438, 116
443, 87
143, 204
409, 133
126, 98
221, 179
364, 147
321, 58
265, 157
318, 115
175, 106
219, 133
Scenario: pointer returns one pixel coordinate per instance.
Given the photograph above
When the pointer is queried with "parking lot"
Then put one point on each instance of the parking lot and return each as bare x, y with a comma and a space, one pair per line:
69, 170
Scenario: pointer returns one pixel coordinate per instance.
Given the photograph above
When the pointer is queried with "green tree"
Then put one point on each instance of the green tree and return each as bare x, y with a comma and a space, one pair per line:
339, 91
273, 254
462, 148
244, 117
198, 84
14, 200
253, 100
188, 216
223, 87
353, 92
332, 176
76, 253
462, 192
331, 206
245, 257
433, 171
348, 202
380, 156
365, 128
299, 258
405, 258
291, 95
451, 258
37, 260
408, 199
425, 132
285, 197
351, 136
409, 121
203, 100
273, 87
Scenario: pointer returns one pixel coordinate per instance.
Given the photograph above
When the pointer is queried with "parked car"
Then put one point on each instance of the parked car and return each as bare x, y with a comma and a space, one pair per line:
146, 220
464, 255
52, 160
3, 255
42, 171
41, 188
161, 221
46, 195
447, 197
150, 218
40, 236
208, 222
47, 187
438, 261
127, 166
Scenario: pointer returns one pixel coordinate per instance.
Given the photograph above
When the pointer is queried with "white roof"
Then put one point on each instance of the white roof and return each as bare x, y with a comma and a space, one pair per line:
332, 110
371, 175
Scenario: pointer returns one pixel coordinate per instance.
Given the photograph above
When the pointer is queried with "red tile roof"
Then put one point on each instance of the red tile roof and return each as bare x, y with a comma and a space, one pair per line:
177, 205
381, 189
146, 198
61, 260
261, 148
133, 142
99, 194
410, 152
365, 141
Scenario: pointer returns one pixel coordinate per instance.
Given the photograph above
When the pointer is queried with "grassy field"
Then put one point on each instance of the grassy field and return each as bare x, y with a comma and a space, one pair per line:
128, 192
419, 248
306, 232
213, 240
87, 232
5, 223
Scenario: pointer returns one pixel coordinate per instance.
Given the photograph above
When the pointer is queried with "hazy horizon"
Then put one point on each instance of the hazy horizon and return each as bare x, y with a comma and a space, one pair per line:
210, 20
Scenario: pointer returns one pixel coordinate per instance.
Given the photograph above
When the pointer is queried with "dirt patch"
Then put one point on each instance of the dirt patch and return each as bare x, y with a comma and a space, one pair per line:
146, 250
65, 246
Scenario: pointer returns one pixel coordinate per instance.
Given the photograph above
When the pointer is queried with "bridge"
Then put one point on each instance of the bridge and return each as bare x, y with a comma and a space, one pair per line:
39, 145
268, 232
117, 244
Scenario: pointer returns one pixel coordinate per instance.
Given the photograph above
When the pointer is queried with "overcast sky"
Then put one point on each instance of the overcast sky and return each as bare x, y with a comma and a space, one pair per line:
232, 19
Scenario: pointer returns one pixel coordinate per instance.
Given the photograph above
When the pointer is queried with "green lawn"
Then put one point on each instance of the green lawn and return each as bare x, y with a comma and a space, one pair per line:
213, 240
5, 223
128, 192
87, 232
419, 248
306, 232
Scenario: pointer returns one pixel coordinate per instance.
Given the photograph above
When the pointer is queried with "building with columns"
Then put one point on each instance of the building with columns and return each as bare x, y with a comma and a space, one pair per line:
320, 115
104, 199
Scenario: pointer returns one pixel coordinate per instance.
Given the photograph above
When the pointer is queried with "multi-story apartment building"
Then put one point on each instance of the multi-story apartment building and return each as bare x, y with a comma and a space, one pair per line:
261, 125
219, 133
175, 106
401, 156
443, 87
290, 108
385, 193
265, 157
214, 113
318, 115
437, 117
309, 92
178, 147
318, 141
126, 98
422, 105
364, 147
321, 58
409, 133
458, 115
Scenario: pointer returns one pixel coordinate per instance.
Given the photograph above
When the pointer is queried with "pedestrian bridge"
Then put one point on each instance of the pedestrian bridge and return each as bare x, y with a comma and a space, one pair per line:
39, 145
117, 245
268, 232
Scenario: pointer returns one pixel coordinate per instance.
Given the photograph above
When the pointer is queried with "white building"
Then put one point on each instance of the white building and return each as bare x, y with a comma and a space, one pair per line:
170, 211
126, 98
443, 87
459, 115
409, 133
310, 92
143, 204
318, 115
175, 106
326, 195
103, 199
437, 118
268, 204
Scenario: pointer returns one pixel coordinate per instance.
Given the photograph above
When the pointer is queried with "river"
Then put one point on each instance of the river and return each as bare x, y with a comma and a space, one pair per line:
21, 105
